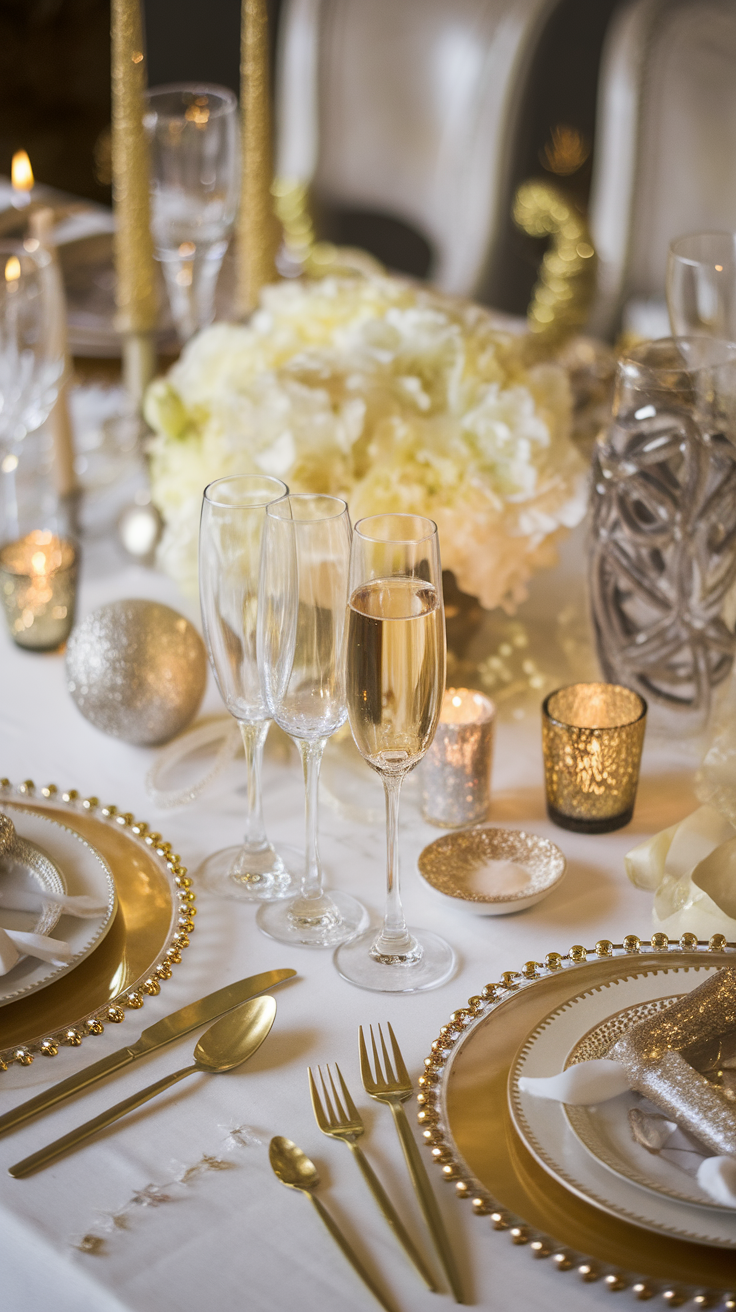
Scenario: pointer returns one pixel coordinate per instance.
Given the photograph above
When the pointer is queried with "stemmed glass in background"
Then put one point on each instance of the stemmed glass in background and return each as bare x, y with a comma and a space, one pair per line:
302, 617
193, 135
395, 681
32, 355
701, 285
233, 518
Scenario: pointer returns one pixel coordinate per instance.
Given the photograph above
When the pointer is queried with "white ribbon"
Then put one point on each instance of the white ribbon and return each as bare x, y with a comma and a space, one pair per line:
14, 944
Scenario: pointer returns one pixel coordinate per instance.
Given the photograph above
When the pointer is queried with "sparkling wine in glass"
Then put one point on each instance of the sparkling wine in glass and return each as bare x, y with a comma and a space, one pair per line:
193, 136
395, 675
233, 519
301, 651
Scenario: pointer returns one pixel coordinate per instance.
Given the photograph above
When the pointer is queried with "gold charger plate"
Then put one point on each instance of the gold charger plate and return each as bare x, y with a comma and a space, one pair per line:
467, 1125
150, 930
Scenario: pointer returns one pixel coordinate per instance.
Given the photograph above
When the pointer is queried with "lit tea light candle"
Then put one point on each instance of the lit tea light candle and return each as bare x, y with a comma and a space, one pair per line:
592, 739
456, 772
38, 576
21, 176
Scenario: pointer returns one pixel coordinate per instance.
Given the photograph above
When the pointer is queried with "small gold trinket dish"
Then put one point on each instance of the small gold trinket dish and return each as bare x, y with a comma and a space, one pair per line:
492, 872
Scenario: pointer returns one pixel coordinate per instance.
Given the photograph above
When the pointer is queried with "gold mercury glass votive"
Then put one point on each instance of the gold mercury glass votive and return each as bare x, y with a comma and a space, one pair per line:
592, 736
38, 582
456, 772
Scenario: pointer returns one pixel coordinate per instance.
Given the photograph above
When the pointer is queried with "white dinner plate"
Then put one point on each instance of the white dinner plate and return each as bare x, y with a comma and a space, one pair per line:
546, 1130
84, 871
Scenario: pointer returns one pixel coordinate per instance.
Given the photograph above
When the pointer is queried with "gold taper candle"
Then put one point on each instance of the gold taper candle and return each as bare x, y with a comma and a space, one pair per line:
134, 262
256, 222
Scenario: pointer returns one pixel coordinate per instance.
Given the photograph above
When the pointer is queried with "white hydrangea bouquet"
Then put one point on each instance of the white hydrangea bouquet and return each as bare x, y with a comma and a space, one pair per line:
391, 395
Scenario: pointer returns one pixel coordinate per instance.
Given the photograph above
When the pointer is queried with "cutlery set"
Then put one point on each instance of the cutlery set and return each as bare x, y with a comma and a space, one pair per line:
243, 1021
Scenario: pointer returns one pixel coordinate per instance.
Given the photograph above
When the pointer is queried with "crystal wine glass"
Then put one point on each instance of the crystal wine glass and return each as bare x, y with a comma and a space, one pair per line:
193, 135
233, 518
32, 356
701, 285
301, 649
395, 682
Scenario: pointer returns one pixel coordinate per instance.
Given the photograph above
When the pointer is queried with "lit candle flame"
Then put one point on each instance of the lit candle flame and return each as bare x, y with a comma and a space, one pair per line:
21, 173
12, 269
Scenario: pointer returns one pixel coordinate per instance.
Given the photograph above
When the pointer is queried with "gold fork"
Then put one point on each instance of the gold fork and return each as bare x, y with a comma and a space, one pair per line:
394, 1089
347, 1125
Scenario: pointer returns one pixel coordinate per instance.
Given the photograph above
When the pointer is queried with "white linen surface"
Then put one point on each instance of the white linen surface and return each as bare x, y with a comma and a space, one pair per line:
236, 1238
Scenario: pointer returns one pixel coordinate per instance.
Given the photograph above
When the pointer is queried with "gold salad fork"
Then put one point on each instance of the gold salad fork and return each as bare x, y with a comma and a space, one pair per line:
394, 1088
345, 1123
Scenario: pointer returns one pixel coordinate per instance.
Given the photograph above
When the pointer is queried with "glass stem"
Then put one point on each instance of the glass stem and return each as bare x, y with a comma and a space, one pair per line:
311, 754
254, 737
394, 939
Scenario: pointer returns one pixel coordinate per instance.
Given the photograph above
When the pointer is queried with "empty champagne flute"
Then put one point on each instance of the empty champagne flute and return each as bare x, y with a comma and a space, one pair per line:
32, 356
193, 136
302, 618
233, 517
395, 682
701, 285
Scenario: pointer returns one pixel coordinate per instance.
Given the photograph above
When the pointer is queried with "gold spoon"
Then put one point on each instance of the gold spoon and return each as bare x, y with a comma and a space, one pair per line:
294, 1169
226, 1044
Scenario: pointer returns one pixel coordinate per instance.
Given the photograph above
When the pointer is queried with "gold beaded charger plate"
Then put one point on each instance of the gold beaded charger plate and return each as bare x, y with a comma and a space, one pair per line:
147, 936
85, 872
606, 1132
545, 1129
467, 1125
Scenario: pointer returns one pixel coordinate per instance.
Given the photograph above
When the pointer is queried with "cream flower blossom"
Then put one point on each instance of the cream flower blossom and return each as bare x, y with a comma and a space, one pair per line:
391, 395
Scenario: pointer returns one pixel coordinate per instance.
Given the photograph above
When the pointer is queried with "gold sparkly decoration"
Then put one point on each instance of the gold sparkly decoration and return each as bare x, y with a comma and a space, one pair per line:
656, 1057
564, 291
256, 223
137, 670
134, 261
592, 738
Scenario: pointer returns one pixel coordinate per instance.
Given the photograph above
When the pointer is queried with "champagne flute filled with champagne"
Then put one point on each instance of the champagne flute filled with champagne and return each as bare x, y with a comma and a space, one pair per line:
395, 677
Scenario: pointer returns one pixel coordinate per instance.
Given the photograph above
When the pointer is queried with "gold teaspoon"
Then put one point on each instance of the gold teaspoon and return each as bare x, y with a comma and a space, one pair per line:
294, 1169
226, 1044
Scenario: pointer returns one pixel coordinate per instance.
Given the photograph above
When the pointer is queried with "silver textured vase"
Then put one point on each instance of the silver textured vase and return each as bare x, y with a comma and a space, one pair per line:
663, 548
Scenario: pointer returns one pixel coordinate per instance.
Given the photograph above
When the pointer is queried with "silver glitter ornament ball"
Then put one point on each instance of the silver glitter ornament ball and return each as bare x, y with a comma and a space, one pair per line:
137, 670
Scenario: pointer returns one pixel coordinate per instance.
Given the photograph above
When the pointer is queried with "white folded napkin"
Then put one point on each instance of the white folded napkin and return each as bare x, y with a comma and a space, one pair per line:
596, 1081
83, 906
14, 944
581, 1085
717, 1176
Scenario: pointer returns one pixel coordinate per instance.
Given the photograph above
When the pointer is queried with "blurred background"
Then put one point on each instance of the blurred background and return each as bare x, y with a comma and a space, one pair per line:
55, 104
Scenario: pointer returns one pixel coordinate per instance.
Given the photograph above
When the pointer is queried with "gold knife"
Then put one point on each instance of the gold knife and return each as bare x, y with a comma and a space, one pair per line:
156, 1036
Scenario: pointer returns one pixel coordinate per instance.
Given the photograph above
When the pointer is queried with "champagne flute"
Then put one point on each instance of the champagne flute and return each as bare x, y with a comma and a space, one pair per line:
395, 683
195, 176
301, 648
701, 285
32, 357
233, 517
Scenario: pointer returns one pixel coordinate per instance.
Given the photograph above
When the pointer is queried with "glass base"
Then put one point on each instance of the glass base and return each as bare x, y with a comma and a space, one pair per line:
261, 877
579, 825
356, 963
331, 919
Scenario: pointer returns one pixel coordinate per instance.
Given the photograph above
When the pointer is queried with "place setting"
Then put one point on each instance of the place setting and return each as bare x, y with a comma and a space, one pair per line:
368, 523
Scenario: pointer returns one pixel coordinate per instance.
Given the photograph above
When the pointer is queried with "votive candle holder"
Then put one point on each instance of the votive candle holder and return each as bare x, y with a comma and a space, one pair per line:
592, 738
38, 584
456, 772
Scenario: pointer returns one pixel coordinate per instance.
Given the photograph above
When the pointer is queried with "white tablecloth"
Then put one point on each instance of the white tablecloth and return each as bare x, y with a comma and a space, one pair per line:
235, 1238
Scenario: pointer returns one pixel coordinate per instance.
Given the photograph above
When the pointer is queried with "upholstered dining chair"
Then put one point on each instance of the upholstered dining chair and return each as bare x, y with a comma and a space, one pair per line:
409, 108
665, 149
